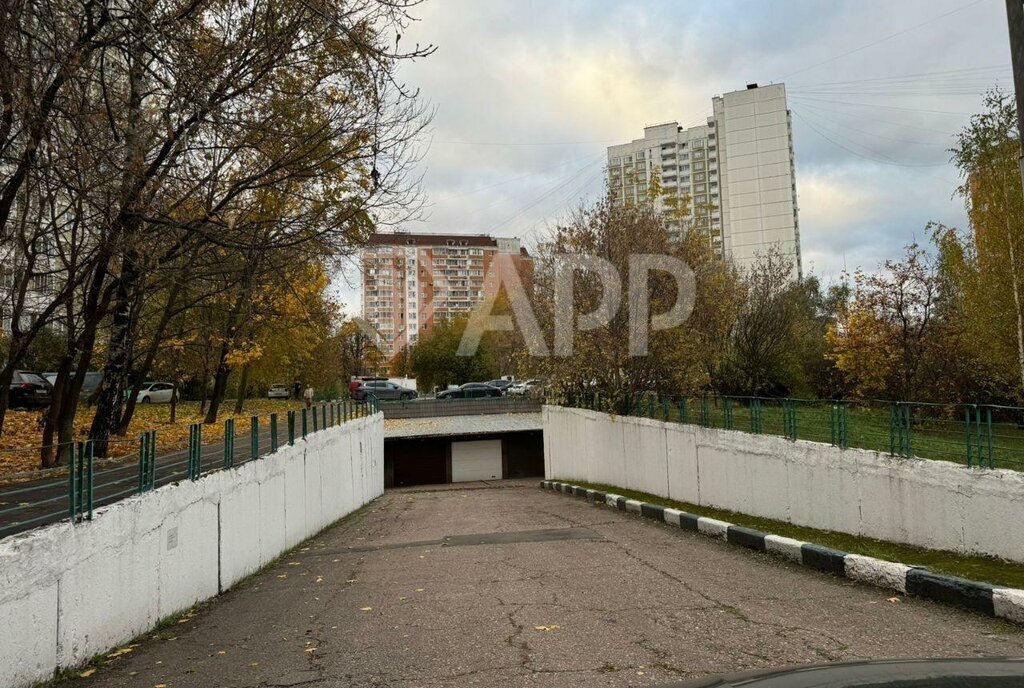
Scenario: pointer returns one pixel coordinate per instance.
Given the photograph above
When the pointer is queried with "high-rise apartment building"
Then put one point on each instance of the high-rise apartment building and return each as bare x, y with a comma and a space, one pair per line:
411, 281
732, 177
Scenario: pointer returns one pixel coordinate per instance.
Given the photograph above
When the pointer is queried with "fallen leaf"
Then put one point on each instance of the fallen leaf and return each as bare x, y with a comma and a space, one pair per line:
552, 627
351, 580
310, 649
319, 579
222, 652
894, 600
366, 609
87, 673
419, 589
282, 575
254, 664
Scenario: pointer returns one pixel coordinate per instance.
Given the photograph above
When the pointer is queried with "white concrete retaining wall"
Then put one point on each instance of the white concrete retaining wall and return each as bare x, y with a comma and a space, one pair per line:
70, 591
931, 504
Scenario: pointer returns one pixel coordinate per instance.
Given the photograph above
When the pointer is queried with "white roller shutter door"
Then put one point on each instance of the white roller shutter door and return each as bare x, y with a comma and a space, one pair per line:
480, 460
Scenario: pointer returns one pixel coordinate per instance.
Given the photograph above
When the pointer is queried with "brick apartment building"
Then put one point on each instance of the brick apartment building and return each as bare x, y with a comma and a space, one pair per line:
411, 281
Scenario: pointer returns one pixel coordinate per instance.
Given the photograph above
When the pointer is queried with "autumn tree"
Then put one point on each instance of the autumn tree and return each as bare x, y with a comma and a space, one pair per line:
988, 265
678, 359
171, 129
884, 342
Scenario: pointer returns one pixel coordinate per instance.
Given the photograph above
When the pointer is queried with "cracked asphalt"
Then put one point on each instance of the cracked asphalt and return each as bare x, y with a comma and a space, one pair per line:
503, 584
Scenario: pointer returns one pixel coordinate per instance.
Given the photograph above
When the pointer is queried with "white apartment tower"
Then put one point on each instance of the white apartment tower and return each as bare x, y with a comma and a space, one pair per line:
732, 177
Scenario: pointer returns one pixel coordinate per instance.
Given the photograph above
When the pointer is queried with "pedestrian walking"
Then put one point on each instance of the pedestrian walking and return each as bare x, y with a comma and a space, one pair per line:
308, 395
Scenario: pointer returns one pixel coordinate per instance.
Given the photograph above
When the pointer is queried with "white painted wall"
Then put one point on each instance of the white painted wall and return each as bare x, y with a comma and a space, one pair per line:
70, 591
931, 504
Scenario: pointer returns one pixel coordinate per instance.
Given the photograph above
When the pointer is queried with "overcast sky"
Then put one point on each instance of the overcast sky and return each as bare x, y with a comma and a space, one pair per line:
528, 94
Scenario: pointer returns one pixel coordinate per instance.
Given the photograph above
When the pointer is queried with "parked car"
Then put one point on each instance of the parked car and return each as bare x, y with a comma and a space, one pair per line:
277, 391
29, 390
383, 390
501, 384
155, 393
526, 387
90, 383
470, 390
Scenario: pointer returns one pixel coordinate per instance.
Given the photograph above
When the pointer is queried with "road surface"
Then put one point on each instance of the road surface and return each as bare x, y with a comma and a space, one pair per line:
504, 584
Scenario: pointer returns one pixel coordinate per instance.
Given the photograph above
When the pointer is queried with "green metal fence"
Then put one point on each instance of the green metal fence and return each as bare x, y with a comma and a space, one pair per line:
975, 435
90, 483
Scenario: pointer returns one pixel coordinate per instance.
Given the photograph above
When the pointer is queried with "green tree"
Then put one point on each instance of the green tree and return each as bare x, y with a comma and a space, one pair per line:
436, 362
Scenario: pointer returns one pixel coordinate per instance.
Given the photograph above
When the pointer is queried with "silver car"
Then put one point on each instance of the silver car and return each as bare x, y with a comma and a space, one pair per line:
383, 390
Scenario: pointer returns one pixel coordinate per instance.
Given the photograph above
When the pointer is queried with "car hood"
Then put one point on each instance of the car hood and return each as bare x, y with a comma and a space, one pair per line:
1004, 672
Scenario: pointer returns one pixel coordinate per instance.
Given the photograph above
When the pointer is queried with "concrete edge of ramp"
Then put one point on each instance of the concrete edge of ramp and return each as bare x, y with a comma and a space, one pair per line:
990, 600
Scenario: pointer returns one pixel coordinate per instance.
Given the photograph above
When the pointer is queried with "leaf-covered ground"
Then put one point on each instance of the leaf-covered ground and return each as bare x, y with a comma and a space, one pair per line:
22, 434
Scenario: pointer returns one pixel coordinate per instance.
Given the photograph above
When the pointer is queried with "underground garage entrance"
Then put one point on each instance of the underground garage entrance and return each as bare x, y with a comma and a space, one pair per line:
463, 458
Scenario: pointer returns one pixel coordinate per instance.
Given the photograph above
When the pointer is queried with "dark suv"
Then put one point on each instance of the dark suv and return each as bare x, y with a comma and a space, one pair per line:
29, 390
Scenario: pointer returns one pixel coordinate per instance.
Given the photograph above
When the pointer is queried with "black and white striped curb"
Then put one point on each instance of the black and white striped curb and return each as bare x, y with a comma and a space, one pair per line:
1006, 603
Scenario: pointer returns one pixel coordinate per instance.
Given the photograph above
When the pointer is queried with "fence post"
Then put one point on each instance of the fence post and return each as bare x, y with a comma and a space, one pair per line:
143, 456
72, 488
89, 478
305, 416
323, 416
291, 427
705, 411
833, 424
229, 443
196, 455
755, 416
967, 427
254, 435
684, 409
789, 419
313, 409
273, 432
151, 464
988, 436
80, 479
727, 409
892, 428
332, 405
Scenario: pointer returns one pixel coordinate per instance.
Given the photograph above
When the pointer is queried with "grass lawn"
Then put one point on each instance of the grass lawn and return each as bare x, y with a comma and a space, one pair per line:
986, 569
19, 443
936, 433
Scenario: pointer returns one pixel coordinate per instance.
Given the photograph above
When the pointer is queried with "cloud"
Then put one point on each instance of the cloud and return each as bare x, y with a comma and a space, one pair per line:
528, 93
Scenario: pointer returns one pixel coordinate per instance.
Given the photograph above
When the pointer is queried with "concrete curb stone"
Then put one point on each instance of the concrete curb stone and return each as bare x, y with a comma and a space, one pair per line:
1004, 603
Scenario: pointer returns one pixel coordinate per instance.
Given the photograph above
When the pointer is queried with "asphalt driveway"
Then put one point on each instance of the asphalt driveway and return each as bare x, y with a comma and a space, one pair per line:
503, 584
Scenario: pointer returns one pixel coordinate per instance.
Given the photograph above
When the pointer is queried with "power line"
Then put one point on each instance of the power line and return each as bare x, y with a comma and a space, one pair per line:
967, 72
540, 199
887, 107
886, 161
859, 117
882, 40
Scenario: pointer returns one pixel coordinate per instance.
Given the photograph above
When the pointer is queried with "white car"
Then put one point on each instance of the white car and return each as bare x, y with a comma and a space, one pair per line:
155, 393
519, 389
277, 391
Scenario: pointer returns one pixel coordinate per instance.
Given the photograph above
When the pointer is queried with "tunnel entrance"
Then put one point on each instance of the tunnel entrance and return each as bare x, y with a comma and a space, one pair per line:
460, 458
